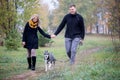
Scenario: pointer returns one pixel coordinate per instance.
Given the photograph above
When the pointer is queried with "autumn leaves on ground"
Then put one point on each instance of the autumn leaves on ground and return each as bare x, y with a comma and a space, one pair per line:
95, 60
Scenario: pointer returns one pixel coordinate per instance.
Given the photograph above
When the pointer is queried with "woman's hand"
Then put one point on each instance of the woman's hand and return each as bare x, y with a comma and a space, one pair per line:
23, 43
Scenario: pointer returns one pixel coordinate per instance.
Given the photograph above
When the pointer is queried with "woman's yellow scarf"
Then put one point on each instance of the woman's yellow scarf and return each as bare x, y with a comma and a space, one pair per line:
33, 24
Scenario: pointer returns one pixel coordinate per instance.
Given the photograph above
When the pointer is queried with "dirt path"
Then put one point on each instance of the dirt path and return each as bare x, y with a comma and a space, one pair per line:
30, 75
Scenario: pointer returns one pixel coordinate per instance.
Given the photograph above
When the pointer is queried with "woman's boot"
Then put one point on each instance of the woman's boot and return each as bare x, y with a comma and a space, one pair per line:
33, 62
29, 62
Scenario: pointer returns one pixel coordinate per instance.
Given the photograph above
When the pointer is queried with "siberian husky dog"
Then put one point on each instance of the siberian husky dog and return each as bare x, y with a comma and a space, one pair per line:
49, 60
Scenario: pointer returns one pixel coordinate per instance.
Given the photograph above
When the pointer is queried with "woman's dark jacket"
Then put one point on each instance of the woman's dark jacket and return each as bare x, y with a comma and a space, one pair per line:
30, 36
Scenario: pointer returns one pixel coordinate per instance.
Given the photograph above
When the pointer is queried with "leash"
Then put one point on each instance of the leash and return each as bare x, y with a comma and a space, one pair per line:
63, 61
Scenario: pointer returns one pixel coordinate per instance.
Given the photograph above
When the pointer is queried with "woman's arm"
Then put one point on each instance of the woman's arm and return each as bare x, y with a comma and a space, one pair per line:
24, 33
43, 33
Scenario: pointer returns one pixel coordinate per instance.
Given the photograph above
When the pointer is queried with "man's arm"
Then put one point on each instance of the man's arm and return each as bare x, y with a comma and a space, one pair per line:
61, 26
82, 27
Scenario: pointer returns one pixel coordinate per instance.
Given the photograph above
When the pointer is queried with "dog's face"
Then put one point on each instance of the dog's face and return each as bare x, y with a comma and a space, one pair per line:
46, 55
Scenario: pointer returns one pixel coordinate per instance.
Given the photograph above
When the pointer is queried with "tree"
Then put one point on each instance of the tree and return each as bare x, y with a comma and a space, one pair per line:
8, 13
114, 23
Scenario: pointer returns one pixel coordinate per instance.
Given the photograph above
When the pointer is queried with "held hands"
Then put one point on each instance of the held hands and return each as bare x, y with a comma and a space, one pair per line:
23, 43
53, 36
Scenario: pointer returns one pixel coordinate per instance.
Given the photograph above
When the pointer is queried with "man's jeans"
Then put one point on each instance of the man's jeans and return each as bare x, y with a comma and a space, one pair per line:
71, 48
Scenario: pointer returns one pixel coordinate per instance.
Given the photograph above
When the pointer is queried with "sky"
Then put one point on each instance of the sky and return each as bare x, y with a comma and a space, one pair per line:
52, 4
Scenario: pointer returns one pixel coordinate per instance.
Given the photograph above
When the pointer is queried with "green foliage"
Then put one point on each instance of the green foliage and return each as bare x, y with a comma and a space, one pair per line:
12, 40
44, 41
8, 16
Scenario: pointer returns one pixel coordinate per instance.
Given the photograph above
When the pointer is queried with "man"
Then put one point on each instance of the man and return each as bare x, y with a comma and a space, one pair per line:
74, 32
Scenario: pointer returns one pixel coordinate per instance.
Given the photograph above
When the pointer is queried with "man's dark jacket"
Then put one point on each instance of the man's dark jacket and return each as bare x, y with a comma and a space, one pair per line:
74, 26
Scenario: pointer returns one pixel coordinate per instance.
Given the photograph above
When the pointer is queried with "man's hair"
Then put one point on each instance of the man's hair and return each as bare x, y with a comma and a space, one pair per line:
72, 5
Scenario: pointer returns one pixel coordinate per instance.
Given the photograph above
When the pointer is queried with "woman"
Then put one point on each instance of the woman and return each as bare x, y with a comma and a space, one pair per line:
30, 39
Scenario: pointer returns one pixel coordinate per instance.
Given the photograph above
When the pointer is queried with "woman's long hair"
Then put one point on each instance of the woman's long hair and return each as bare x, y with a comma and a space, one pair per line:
35, 15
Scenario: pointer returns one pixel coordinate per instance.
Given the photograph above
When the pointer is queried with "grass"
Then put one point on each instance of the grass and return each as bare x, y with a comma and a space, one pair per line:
100, 63
11, 62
